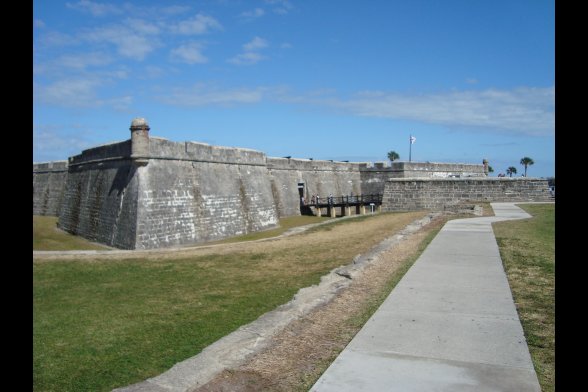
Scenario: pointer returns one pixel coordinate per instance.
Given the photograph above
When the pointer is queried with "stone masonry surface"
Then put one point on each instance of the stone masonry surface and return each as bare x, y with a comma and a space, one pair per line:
100, 202
48, 184
318, 178
189, 202
435, 170
433, 194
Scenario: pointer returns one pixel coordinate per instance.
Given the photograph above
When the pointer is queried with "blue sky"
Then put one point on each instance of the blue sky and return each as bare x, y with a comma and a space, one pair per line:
343, 80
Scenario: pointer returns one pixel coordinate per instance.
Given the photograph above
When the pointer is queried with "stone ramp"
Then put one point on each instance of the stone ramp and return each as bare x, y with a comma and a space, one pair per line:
449, 325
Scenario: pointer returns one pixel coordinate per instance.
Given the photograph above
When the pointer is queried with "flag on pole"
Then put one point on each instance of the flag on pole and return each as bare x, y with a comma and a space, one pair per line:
412, 139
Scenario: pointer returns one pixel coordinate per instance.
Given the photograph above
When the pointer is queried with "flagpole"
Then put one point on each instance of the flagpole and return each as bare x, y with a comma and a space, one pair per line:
409, 148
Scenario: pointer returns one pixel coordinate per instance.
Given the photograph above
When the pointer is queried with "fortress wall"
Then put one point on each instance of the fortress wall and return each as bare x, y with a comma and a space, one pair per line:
148, 192
318, 177
187, 193
110, 151
202, 152
433, 194
373, 178
100, 197
100, 202
435, 170
193, 192
48, 184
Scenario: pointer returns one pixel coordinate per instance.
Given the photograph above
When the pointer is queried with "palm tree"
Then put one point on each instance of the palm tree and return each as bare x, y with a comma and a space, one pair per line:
511, 170
393, 155
490, 169
526, 161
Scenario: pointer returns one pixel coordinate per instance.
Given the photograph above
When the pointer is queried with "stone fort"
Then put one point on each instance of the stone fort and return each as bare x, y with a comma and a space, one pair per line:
149, 192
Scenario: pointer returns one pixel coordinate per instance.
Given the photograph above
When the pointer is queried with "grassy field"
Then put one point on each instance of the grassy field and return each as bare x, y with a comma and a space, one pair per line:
527, 248
98, 324
46, 236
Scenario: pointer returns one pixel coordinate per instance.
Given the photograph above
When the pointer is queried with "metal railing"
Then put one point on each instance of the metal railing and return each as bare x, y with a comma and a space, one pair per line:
348, 200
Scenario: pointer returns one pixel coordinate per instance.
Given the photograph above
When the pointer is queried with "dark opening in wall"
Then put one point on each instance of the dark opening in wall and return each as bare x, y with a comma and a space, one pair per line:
304, 209
301, 190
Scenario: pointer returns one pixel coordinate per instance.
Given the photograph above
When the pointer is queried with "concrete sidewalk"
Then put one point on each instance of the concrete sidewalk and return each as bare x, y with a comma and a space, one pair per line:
449, 325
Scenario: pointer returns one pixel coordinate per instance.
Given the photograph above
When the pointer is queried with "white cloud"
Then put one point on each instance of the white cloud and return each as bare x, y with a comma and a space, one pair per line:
256, 43
121, 73
55, 38
152, 72
199, 24
256, 13
77, 93
190, 53
525, 110
52, 142
129, 43
247, 58
322, 92
251, 53
153, 13
94, 8
83, 60
286, 45
281, 7
39, 23
120, 104
142, 27
201, 95
174, 9
93, 66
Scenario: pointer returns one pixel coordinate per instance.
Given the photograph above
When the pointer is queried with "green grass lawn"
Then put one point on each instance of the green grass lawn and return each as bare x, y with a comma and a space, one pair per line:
527, 248
104, 324
46, 236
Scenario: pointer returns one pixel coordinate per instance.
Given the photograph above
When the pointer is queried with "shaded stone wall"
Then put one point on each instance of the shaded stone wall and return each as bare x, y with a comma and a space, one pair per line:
319, 178
48, 184
434, 194
374, 177
193, 192
100, 197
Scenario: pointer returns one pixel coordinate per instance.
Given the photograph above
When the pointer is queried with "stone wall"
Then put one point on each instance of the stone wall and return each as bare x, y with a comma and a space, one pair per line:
100, 202
186, 193
433, 194
48, 184
374, 177
100, 197
194, 192
173, 194
318, 178
435, 170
